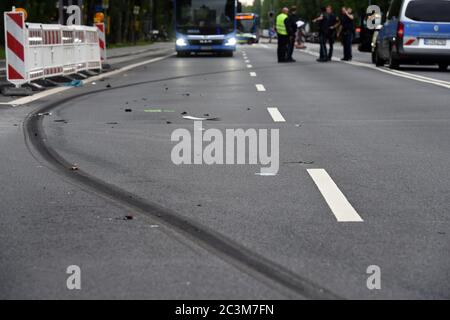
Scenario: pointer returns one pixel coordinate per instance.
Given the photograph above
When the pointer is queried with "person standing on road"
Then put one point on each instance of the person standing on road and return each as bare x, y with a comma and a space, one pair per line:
282, 34
291, 24
348, 30
333, 24
322, 20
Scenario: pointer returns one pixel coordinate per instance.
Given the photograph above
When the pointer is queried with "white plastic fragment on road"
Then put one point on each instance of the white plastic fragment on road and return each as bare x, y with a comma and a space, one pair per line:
199, 119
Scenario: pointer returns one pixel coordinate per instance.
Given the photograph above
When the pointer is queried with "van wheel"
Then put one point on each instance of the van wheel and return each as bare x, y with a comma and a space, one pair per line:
378, 61
443, 66
393, 63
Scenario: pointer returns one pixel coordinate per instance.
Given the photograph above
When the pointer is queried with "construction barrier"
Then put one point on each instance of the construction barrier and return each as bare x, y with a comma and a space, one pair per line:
38, 51
102, 40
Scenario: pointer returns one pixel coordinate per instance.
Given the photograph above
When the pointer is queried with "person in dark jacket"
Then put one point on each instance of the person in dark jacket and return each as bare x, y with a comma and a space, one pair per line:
333, 24
348, 29
291, 25
322, 20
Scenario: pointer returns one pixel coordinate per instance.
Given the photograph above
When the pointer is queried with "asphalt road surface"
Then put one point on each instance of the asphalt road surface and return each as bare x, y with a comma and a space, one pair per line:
378, 140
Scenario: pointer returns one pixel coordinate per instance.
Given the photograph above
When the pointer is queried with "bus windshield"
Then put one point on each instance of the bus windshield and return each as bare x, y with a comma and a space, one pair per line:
205, 17
246, 25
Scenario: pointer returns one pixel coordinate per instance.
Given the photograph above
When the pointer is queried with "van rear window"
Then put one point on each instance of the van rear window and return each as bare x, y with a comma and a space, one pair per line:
429, 10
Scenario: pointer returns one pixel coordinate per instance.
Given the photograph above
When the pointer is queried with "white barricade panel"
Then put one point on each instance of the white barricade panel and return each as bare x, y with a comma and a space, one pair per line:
35, 55
53, 51
37, 51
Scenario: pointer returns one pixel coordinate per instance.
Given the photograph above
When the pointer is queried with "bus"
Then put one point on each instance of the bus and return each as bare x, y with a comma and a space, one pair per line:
205, 26
247, 28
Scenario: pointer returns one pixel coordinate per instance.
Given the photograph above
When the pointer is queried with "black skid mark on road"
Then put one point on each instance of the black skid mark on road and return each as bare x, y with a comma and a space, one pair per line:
228, 250
299, 162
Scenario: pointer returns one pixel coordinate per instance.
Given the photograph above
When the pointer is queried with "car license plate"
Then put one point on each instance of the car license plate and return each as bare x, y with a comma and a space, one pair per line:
206, 48
435, 42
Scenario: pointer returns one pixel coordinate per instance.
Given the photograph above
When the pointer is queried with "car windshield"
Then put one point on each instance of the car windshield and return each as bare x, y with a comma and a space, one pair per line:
429, 10
205, 16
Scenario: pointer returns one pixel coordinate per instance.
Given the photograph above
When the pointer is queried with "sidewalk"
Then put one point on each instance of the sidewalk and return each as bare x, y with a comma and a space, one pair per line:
116, 58
135, 50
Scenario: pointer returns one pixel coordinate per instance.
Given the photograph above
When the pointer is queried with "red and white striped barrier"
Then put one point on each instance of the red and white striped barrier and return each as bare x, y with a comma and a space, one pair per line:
102, 40
37, 51
15, 47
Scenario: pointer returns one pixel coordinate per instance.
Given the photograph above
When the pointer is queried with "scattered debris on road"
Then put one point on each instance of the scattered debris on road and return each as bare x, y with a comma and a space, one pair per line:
265, 174
201, 119
128, 217
299, 162
158, 111
74, 83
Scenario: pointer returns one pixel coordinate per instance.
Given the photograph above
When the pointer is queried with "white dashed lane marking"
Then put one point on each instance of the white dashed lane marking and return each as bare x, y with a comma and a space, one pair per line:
260, 87
249, 66
336, 200
252, 74
276, 115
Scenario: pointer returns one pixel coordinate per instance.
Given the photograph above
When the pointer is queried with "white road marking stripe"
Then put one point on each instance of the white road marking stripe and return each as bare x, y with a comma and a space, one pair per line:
401, 74
247, 61
249, 66
260, 87
38, 96
53, 91
276, 115
422, 77
252, 74
336, 200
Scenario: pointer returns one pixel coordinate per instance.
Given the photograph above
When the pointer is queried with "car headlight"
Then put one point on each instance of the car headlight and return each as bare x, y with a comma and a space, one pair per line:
181, 42
231, 42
